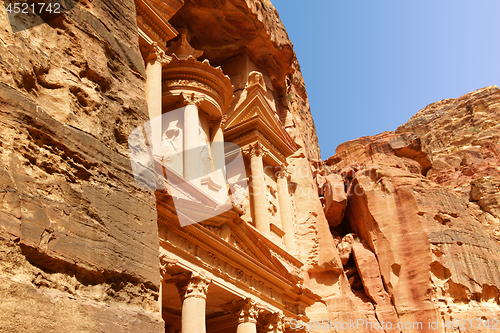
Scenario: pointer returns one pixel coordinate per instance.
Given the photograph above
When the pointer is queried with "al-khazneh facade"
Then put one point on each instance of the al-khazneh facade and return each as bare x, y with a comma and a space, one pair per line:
237, 271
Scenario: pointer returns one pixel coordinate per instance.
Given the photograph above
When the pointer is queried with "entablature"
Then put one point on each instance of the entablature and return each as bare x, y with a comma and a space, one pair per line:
234, 251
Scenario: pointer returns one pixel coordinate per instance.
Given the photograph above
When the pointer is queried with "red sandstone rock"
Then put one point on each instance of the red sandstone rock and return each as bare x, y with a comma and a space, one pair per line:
434, 247
369, 272
335, 199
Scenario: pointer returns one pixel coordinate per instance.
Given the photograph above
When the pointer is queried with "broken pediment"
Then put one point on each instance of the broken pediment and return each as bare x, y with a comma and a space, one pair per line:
254, 113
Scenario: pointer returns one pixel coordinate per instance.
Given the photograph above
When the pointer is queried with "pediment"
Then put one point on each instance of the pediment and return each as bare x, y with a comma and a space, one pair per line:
255, 110
254, 105
262, 250
229, 239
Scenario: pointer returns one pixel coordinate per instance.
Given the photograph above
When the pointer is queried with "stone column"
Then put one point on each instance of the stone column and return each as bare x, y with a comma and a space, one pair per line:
217, 138
193, 294
191, 140
258, 187
155, 59
286, 211
246, 313
218, 155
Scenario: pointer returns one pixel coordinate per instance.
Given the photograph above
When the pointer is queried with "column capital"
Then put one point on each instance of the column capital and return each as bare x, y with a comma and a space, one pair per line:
273, 323
193, 285
256, 149
281, 172
191, 99
165, 264
153, 53
244, 311
223, 121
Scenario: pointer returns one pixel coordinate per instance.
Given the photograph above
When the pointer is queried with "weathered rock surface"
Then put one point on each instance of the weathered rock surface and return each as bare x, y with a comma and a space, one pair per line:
79, 238
335, 199
424, 201
369, 272
461, 137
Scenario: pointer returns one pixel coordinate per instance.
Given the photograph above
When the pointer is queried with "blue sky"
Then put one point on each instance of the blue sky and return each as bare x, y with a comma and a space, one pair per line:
371, 65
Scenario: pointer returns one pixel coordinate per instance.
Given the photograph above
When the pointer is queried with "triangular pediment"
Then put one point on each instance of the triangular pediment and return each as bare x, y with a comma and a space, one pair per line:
256, 111
273, 256
254, 105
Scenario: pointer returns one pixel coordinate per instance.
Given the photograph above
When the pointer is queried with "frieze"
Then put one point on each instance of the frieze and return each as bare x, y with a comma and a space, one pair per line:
193, 79
189, 83
224, 268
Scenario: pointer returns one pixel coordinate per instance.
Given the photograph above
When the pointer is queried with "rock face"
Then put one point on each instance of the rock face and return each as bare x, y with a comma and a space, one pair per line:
414, 213
424, 202
79, 239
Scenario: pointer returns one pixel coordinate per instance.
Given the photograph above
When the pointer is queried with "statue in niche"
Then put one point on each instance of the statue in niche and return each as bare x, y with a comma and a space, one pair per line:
238, 194
256, 79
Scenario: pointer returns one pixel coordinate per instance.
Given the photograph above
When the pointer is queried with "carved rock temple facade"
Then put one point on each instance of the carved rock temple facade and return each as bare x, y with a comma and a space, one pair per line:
160, 172
235, 270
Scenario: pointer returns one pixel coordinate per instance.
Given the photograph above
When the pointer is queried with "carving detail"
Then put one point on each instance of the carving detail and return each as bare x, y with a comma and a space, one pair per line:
192, 99
282, 172
153, 53
223, 121
273, 323
255, 79
195, 286
182, 49
165, 263
245, 311
256, 150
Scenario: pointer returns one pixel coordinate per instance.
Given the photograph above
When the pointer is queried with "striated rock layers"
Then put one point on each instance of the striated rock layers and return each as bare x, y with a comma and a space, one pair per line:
421, 216
78, 238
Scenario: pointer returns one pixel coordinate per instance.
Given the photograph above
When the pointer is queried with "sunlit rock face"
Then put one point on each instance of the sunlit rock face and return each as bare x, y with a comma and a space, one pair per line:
78, 236
402, 226
424, 201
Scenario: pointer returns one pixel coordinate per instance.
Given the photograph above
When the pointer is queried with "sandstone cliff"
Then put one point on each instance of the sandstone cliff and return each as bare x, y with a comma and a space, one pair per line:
78, 237
417, 225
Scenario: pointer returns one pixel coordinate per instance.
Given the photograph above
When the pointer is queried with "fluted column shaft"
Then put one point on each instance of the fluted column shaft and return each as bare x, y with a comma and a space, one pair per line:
286, 212
261, 216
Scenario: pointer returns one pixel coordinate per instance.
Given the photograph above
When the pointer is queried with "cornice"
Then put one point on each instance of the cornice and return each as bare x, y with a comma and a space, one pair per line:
254, 135
154, 23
